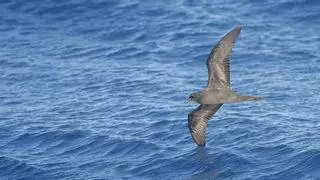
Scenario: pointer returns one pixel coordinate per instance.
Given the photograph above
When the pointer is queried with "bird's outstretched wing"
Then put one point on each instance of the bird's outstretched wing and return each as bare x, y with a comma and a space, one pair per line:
218, 61
198, 119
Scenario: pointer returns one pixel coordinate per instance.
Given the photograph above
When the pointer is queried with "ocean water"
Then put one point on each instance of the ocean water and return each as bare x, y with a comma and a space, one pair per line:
96, 89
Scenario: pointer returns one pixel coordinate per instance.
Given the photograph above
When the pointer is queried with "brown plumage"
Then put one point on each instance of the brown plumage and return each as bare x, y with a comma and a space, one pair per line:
198, 119
218, 61
218, 90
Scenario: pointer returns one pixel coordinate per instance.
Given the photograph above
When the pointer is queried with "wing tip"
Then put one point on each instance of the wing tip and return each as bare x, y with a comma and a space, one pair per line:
201, 144
198, 142
237, 29
232, 35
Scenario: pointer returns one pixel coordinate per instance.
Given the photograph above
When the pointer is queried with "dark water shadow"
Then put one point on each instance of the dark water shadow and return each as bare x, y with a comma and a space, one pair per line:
206, 160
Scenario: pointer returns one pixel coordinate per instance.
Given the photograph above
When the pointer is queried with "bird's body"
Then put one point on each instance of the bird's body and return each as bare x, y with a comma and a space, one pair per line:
219, 96
218, 90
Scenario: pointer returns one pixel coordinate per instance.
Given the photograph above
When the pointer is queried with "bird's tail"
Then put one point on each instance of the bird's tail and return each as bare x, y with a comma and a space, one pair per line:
249, 98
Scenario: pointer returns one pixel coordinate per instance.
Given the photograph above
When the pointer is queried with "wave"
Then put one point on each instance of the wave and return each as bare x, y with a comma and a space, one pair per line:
13, 168
97, 89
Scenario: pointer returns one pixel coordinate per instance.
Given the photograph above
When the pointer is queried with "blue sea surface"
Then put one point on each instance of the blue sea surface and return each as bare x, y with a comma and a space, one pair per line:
96, 89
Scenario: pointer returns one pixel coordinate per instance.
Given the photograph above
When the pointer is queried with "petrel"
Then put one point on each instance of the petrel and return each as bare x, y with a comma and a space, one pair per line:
218, 90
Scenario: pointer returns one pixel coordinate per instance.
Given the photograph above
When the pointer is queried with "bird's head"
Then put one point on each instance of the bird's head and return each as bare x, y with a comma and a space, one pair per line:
195, 97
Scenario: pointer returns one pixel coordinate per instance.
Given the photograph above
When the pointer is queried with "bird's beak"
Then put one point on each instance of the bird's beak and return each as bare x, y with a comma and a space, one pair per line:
188, 100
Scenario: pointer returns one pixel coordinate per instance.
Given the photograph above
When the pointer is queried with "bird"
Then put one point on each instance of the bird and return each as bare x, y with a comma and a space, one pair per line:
218, 90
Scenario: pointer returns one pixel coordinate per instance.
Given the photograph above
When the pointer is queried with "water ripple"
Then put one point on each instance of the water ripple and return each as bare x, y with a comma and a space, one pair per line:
97, 89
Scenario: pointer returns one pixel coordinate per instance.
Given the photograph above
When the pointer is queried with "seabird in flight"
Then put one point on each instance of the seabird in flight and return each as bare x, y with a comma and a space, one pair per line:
218, 90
